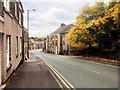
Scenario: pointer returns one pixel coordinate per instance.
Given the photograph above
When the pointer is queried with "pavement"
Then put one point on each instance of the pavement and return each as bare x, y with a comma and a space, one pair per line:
32, 74
82, 73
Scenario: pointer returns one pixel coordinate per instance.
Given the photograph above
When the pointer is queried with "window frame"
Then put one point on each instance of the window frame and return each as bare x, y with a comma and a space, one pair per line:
20, 45
16, 10
7, 4
16, 46
8, 37
20, 17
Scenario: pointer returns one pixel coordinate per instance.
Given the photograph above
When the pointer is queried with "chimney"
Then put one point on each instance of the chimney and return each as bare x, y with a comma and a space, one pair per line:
62, 24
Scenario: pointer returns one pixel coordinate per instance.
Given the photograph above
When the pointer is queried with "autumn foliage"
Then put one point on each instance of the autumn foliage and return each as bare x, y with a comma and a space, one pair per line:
97, 26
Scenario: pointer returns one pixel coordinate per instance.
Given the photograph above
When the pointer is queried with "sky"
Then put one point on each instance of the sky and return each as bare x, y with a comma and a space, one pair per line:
50, 14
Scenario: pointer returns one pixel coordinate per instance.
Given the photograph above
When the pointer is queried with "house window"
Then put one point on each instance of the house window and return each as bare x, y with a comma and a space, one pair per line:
8, 50
20, 17
7, 4
16, 46
16, 10
20, 45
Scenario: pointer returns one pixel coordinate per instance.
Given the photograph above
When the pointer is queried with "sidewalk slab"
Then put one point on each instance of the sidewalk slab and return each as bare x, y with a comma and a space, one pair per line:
32, 74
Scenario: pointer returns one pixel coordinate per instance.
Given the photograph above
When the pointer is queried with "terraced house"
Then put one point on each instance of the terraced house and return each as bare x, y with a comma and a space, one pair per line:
11, 26
57, 41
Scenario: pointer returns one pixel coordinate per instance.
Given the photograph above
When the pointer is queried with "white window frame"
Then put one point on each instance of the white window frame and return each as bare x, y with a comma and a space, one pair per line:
7, 4
20, 17
16, 10
20, 45
16, 46
8, 50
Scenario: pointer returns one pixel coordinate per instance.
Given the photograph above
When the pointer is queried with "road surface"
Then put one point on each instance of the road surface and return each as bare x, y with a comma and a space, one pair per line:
80, 73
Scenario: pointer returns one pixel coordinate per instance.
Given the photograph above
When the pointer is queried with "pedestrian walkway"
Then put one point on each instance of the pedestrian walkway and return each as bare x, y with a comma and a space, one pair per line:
32, 74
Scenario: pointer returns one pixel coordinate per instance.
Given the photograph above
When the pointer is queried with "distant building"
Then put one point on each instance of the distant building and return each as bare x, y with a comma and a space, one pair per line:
57, 41
44, 46
35, 44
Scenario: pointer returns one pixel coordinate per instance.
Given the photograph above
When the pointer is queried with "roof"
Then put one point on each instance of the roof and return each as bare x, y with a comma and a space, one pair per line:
67, 29
63, 29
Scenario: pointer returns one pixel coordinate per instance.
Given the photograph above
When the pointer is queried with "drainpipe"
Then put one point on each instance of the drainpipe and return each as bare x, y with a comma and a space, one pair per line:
23, 44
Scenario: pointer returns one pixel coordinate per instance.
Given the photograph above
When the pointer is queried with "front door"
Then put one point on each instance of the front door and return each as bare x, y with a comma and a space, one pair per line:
0, 55
7, 50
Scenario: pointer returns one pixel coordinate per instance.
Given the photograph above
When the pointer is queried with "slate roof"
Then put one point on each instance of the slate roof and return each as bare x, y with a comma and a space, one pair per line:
63, 29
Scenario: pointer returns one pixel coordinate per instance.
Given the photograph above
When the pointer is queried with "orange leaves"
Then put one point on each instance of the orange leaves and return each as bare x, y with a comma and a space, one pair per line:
101, 59
90, 23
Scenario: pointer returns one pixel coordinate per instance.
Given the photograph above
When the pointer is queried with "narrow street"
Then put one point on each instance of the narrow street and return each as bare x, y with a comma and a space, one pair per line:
80, 73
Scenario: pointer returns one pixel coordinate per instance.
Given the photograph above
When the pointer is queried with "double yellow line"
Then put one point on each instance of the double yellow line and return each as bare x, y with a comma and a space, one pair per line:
66, 83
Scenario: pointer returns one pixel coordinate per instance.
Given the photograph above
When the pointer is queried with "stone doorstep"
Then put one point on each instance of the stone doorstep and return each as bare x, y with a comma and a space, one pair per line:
2, 86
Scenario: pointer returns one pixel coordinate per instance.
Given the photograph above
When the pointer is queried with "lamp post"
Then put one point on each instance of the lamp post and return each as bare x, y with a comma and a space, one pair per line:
28, 29
28, 21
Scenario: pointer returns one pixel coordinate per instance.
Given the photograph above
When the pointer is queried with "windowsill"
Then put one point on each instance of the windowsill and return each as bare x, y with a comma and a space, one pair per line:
8, 12
20, 25
16, 18
8, 68
1, 19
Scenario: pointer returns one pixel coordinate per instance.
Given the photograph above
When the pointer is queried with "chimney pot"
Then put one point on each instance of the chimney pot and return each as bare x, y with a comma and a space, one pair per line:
62, 24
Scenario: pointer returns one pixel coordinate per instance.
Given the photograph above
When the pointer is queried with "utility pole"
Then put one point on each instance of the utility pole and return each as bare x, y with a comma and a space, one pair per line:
28, 22
28, 30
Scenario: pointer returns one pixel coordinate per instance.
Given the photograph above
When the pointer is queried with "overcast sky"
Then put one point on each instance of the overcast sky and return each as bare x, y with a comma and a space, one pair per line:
50, 14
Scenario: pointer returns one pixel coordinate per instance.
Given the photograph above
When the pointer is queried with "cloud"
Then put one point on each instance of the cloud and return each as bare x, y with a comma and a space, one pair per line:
49, 15
71, 1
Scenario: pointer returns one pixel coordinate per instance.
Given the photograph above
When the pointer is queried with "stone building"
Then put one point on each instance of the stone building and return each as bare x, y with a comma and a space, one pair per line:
57, 41
11, 27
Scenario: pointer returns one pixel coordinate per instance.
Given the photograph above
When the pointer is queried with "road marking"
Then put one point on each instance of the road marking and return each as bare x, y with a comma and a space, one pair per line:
59, 75
65, 79
100, 63
56, 74
55, 78
95, 71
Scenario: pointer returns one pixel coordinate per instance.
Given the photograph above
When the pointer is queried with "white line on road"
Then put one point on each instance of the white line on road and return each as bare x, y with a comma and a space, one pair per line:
95, 71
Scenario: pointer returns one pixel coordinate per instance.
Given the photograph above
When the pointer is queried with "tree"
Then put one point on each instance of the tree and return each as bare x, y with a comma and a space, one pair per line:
103, 31
112, 3
106, 30
89, 14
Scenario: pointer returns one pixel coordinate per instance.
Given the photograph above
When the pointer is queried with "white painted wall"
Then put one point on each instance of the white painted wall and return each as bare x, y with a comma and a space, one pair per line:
0, 55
